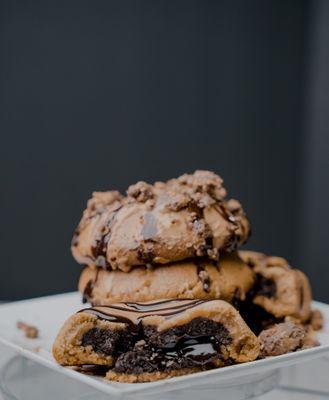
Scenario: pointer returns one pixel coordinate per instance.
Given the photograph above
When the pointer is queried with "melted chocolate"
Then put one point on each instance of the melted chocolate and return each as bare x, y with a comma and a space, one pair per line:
112, 318
255, 316
109, 342
142, 348
100, 247
147, 309
196, 344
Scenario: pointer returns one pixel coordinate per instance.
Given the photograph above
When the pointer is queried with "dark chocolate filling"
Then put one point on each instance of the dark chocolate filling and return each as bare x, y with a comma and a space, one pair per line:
264, 287
148, 359
109, 342
255, 316
195, 344
197, 328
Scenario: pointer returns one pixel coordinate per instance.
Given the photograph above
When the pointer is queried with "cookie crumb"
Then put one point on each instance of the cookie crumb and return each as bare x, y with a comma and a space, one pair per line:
316, 320
30, 331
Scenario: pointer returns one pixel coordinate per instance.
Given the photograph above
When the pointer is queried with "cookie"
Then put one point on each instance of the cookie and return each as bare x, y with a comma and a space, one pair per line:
230, 279
153, 340
163, 223
279, 289
282, 338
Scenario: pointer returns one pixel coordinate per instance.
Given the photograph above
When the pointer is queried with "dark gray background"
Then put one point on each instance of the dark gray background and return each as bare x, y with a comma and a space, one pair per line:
98, 94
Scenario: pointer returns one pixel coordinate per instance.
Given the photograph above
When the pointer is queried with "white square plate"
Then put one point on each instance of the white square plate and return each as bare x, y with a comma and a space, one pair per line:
49, 313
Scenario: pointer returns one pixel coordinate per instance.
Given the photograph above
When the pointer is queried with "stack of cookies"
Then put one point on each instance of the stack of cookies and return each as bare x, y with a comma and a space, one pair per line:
171, 293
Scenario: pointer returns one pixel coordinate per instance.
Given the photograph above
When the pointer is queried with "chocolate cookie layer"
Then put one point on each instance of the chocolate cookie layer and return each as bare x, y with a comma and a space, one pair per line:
183, 218
156, 338
230, 278
279, 289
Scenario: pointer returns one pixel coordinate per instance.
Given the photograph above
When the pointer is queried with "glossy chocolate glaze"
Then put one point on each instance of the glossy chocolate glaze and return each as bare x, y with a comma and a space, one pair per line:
196, 343
126, 312
142, 348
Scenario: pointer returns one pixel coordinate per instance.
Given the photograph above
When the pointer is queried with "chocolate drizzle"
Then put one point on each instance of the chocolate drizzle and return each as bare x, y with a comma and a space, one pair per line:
113, 313
99, 249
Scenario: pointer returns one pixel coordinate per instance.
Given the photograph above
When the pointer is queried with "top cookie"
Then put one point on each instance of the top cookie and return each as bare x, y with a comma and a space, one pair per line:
161, 223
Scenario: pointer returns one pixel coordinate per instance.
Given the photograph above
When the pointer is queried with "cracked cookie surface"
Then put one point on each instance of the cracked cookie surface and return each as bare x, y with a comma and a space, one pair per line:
182, 218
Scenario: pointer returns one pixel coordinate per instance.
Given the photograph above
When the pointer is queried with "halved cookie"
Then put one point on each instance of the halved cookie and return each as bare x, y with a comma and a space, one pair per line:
153, 340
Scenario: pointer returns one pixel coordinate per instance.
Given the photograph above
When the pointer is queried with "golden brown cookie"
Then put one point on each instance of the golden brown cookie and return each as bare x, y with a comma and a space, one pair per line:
160, 224
279, 289
230, 279
152, 340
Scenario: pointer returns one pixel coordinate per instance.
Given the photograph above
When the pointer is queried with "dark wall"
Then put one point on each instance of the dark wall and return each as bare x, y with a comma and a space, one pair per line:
313, 253
97, 95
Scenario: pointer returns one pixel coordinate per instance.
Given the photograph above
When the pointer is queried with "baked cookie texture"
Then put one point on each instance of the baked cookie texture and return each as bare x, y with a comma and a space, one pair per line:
279, 289
170, 289
228, 279
187, 217
152, 340
282, 338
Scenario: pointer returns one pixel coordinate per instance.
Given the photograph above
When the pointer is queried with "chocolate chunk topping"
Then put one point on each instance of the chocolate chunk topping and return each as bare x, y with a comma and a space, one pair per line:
182, 212
141, 191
